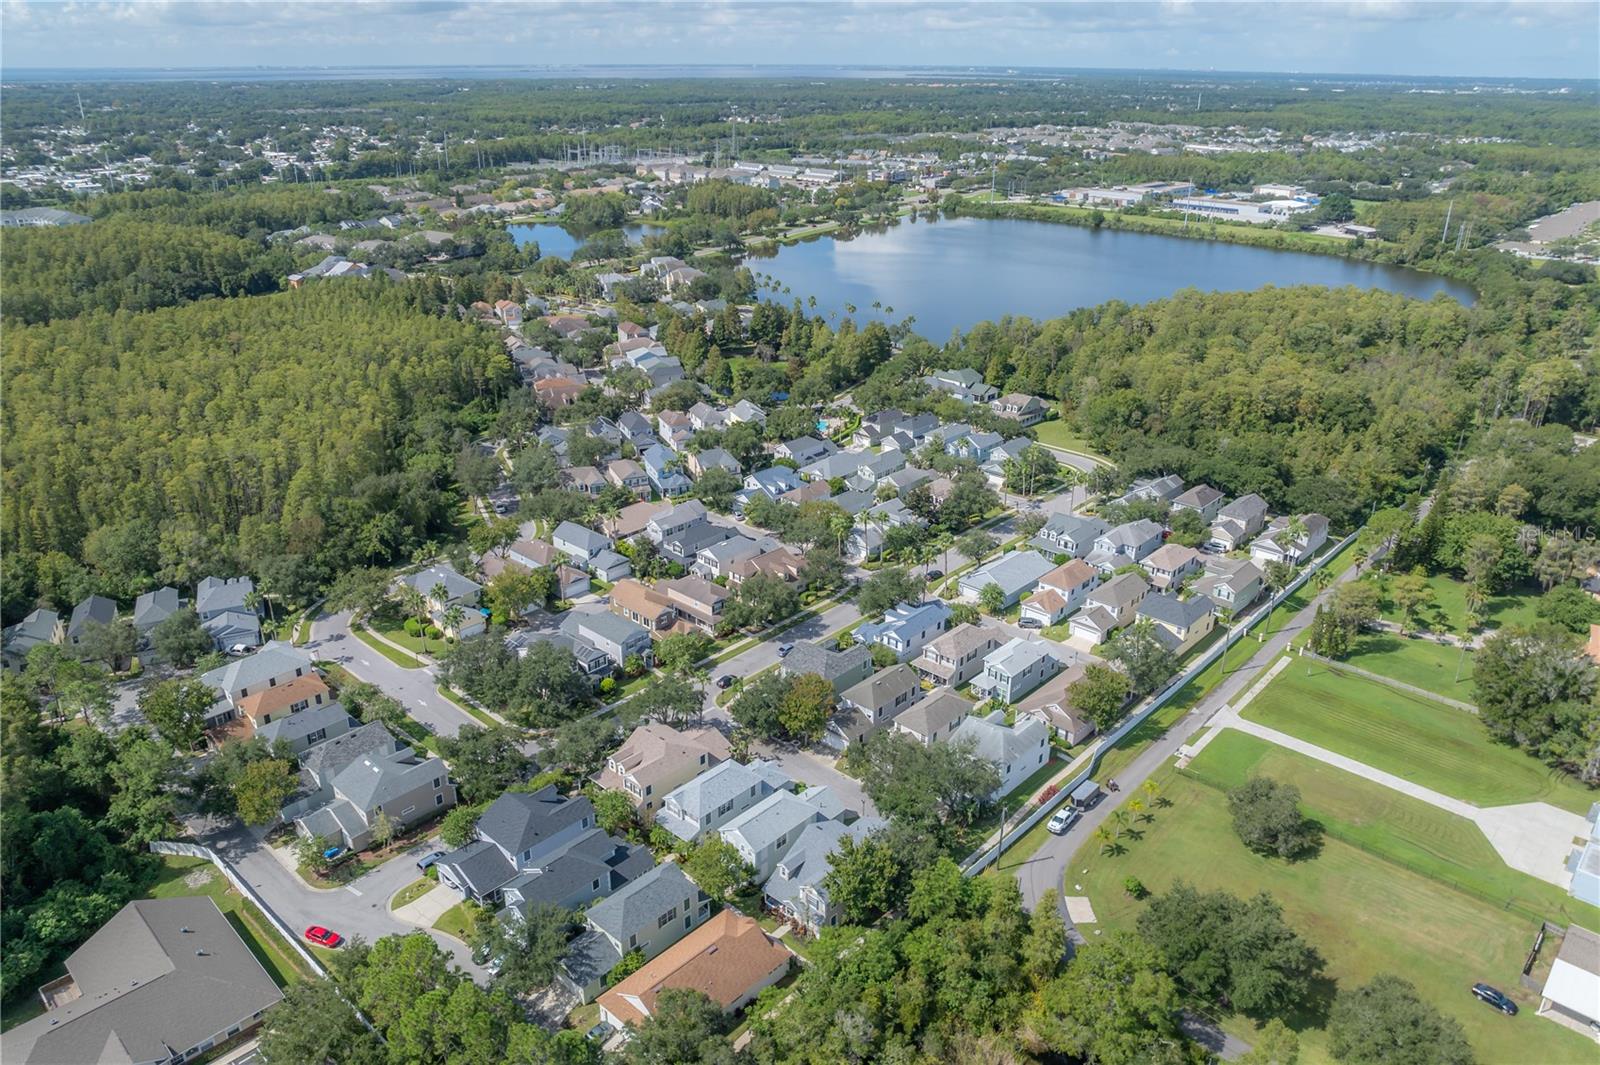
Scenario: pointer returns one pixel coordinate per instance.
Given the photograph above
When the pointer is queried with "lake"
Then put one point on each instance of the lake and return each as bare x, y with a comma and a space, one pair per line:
555, 240
955, 272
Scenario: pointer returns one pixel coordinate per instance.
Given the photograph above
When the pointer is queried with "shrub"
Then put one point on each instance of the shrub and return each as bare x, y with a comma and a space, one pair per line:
1134, 887
413, 627
434, 632
608, 685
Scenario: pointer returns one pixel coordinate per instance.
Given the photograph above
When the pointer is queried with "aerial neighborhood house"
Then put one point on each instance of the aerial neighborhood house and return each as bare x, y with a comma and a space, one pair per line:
1231, 584
1171, 564
780, 562
934, 718
685, 545
668, 520
608, 566
151, 610
441, 588
636, 429
1237, 522
795, 889
713, 458
1202, 499
1018, 750
541, 848
704, 416
1126, 543
1109, 607
1016, 668
224, 614
578, 543
805, 450
965, 385
717, 796
1179, 623
769, 483
594, 663
718, 559
618, 637
842, 669
674, 428
872, 470
730, 960
745, 411
906, 629
698, 602
642, 605
1052, 704
764, 832
871, 704
589, 480
661, 467
164, 980
956, 656
351, 778
557, 392
1020, 407
273, 683
1571, 993
633, 519
1017, 574
977, 446
307, 728
1069, 534
1291, 540
648, 915
571, 582
1060, 592
93, 610
1152, 489
41, 626
656, 759
626, 473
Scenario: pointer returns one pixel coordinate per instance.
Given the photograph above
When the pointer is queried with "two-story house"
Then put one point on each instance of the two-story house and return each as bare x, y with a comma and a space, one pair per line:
768, 484
441, 588
866, 707
956, 656
1231, 584
579, 543
41, 626
697, 601
642, 605
795, 888
713, 458
618, 637
1069, 534
1109, 607
934, 718
1060, 592
353, 778
1021, 408
226, 614
764, 832
1170, 565
1018, 750
966, 385
1052, 703
1179, 623
805, 449
151, 609
276, 681
842, 669
1152, 490
304, 729
647, 915
656, 759
713, 798
626, 473
91, 610
906, 629
1125, 544
519, 830
1290, 540
1016, 668
1202, 499
1237, 522
661, 466
718, 559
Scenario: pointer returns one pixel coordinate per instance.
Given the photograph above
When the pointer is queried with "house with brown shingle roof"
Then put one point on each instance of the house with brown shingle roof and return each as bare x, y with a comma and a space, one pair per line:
631, 520
730, 959
957, 656
1051, 703
643, 605
1169, 564
657, 758
1060, 592
301, 693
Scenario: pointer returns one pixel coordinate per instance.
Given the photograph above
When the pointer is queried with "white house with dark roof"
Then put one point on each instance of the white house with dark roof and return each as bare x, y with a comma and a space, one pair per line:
1018, 750
221, 604
1279, 544
906, 628
1126, 543
1202, 499
1060, 592
1237, 522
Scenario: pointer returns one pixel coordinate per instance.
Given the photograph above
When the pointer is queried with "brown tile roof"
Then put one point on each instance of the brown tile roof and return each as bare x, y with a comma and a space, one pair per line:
723, 959
653, 752
1069, 574
631, 519
640, 598
281, 697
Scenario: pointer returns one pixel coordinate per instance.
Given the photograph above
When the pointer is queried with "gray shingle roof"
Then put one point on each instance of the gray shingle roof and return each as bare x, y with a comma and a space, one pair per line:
517, 820
722, 782
596, 856
152, 608
97, 609
274, 660
636, 905
935, 713
825, 662
805, 863
1170, 610
293, 727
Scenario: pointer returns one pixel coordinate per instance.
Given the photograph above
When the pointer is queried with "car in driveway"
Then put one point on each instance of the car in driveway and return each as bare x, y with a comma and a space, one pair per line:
1491, 996
427, 860
1062, 820
598, 1033
323, 937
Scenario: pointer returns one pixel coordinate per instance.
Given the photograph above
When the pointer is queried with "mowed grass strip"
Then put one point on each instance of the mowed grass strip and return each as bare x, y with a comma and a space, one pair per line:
1366, 915
1407, 831
1431, 666
1439, 747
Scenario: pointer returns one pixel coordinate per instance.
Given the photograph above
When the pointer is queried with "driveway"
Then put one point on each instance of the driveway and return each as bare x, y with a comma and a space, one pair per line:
332, 641
429, 908
359, 908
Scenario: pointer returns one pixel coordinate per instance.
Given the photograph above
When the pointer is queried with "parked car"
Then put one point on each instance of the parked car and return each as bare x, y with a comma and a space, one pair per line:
1490, 996
726, 681
599, 1032
1062, 820
323, 937
784, 649
1029, 623
934, 575
427, 860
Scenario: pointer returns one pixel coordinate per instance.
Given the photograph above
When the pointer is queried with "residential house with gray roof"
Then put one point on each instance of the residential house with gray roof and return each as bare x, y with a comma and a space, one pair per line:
1017, 573
163, 980
1237, 522
661, 466
1231, 584
718, 795
906, 628
93, 610
1018, 750
304, 730
277, 664
956, 656
837, 464
41, 626
647, 915
441, 588
713, 458
618, 637
353, 777
578, 543
796, 887
1052, 703
1125, 544
1283, 542
152, 608
804, 450
1072, 535
224, 614
1152, 489
842, 669
764, 832
1109, 607
934, 718
870, 705
1202, 499
1016, 668
1179, 623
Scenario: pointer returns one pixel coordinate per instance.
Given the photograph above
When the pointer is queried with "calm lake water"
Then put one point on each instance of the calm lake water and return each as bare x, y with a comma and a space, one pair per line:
554, 240
953, 273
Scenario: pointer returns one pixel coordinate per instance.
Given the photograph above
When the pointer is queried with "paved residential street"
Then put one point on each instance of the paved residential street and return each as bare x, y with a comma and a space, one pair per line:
332, 641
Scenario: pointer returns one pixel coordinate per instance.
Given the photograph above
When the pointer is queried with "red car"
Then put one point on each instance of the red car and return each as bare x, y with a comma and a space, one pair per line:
323, 937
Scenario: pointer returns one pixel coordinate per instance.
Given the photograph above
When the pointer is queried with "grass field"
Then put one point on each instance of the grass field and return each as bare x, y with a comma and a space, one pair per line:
1422, 663
282, 964
1433, 745
412, 892
399, 658
1449, 611
1407, 831
1057, 433
1366, 915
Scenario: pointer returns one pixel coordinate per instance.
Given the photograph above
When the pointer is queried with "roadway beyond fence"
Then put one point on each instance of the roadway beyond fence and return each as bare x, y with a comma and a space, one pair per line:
981, 858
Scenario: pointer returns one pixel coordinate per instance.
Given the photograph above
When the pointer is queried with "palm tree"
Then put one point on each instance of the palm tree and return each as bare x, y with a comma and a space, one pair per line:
1136, 806
413, 603
1150, 788
1107, 839
453, 617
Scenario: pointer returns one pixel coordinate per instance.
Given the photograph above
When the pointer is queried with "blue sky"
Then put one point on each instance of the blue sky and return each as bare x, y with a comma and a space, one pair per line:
1484, 39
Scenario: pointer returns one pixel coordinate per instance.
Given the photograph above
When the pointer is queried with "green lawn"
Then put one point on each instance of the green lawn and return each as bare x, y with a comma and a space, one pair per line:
412, 892
1407, 831
1364, 914
483, 719
282, 964
1423, 741
1450, 605
456, 921
1057, 433
399, 658
1431, 666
